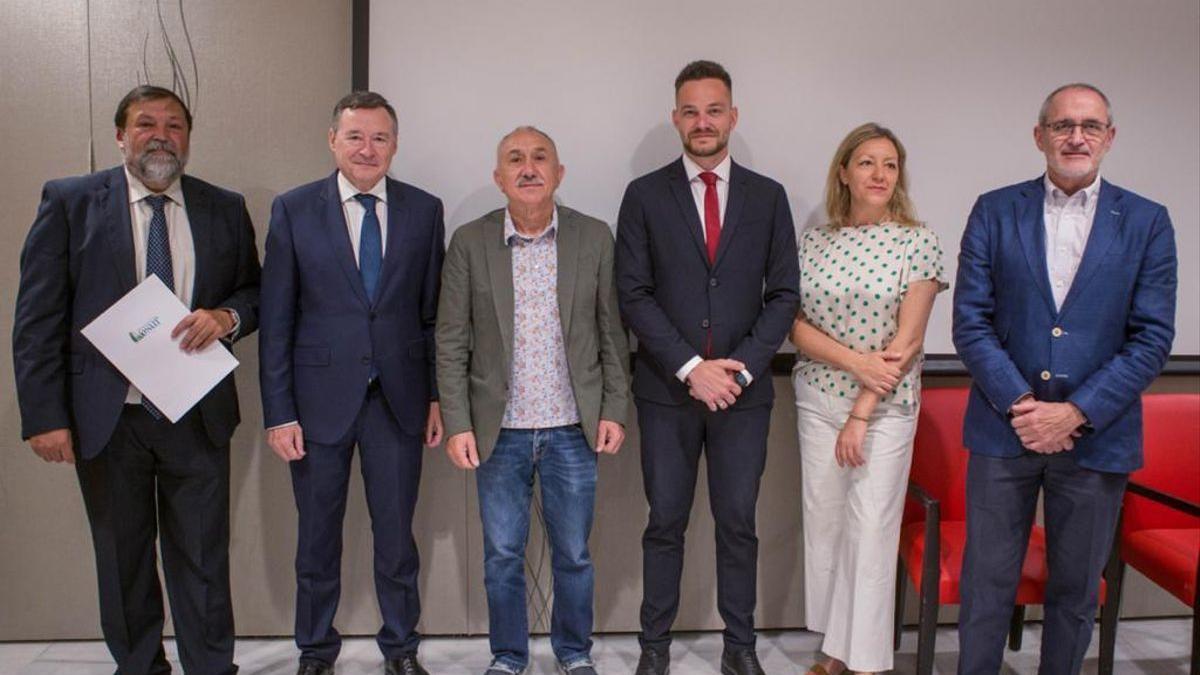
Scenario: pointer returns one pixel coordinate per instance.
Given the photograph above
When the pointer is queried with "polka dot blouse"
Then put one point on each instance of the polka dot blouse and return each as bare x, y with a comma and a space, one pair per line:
852, 280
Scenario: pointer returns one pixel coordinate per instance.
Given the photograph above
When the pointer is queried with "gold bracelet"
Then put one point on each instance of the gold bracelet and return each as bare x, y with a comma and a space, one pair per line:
860, 418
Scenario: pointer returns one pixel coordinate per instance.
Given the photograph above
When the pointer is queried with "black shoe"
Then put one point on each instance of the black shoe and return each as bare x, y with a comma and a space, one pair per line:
742, 661
654, 661
405, 665
314, 667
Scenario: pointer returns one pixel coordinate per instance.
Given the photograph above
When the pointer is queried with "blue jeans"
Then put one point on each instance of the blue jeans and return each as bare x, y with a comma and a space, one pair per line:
567, 469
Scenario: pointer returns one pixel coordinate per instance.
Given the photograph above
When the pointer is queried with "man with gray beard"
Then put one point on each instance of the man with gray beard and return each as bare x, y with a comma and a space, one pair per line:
94, 238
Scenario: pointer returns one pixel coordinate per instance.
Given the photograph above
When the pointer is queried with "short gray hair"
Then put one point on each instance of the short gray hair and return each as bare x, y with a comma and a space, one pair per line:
1045, 111
526, 128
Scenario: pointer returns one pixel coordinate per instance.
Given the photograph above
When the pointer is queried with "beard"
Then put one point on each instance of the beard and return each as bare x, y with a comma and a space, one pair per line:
716, 149
158, 168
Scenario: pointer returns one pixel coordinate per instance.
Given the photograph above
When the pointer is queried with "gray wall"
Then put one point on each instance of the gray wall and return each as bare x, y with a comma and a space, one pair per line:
270, 71
959, 82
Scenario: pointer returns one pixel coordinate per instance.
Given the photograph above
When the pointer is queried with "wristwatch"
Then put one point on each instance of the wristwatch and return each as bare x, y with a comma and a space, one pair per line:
740, 378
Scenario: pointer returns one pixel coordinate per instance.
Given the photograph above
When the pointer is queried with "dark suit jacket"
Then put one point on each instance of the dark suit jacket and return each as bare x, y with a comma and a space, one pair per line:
1100, 351
475, 326
77, 261
320, 333
671, 297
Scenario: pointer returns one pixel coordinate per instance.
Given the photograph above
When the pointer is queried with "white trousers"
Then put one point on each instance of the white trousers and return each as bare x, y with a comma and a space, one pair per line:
852, 525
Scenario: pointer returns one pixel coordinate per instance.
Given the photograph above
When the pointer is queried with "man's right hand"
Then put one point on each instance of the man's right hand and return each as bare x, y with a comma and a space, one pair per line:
460, 448
711, 382
879, 372
54, 446
287, 442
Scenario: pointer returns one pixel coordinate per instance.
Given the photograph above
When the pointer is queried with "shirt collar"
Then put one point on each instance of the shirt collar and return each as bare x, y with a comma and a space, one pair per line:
347, 191
138, 190
1055, 195
510, 229
694, 170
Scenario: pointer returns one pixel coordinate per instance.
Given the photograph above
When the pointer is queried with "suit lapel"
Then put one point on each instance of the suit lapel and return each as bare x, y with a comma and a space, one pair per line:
117, 227
397, 230
677, 178
499, 262
1106, 224
1031, 228
733, 209
334, 223
567, 245
199, 212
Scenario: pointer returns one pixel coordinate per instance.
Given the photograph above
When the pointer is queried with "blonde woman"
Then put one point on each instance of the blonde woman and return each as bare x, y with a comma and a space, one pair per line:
868, 280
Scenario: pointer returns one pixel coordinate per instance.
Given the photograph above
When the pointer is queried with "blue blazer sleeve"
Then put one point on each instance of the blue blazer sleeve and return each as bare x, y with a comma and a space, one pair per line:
430, 291
41, 325
1150, 328
280, 295
974, 330
636, 286
781, 294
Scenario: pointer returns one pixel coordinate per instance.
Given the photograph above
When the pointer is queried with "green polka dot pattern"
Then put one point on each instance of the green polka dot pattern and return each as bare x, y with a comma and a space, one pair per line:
852, 280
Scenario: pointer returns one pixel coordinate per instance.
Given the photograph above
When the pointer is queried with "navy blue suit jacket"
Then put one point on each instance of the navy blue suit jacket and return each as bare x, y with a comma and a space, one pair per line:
77, 261
320, 334
671, 297
1100, 351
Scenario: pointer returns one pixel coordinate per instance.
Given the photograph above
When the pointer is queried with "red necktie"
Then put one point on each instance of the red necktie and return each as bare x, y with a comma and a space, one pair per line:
712, 215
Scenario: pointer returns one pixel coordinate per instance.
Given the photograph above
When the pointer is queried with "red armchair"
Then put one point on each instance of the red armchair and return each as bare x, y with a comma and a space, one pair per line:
1160, 521
934, 534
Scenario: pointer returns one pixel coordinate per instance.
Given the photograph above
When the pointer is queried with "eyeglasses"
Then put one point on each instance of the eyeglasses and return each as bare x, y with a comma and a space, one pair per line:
1091, 129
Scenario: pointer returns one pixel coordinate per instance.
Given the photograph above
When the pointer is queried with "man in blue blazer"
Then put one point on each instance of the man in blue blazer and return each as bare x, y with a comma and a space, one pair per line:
350, 287
708, 279
1064, 314
94, 239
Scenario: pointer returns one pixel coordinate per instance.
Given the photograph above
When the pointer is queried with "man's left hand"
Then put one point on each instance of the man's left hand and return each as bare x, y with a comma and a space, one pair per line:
609, 436
201, 328
1047, 427
433, 425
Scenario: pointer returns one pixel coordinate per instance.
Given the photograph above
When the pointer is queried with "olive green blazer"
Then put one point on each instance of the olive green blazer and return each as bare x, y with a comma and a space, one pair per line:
475, 326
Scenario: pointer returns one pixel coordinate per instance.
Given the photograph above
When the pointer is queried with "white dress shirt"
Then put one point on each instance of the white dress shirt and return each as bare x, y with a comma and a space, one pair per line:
354, 211
1068, 221
179, 234
698, 189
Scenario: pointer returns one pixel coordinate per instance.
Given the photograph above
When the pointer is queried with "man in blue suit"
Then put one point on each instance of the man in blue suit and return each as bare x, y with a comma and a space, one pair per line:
350, 287
1064, 314
95, 237
708, 279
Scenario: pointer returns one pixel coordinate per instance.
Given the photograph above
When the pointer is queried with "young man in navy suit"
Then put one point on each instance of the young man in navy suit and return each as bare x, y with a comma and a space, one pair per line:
1064, 313
708, 280
143, 478
350, 287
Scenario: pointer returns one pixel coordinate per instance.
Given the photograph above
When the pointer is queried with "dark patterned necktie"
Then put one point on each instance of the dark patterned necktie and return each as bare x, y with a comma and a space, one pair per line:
370, 245
158, 263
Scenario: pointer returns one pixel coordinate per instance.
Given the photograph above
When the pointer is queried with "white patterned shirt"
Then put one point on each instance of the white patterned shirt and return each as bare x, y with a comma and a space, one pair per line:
852, 280
539, 391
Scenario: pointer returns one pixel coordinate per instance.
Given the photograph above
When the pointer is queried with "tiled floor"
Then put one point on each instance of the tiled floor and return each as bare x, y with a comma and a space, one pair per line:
1144, 647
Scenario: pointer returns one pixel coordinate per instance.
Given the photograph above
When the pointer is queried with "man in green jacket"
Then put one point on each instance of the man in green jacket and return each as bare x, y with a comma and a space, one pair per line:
532, 373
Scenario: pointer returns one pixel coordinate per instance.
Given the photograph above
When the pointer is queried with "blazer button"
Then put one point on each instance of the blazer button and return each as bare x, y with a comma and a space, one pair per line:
1057, 332
366, 361
372, 316
712, 282
704, 323
1045, 375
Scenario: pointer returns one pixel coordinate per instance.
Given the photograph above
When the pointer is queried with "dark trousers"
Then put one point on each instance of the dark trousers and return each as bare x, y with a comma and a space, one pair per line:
734, 444
1080, 514
391, 471
156, 477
